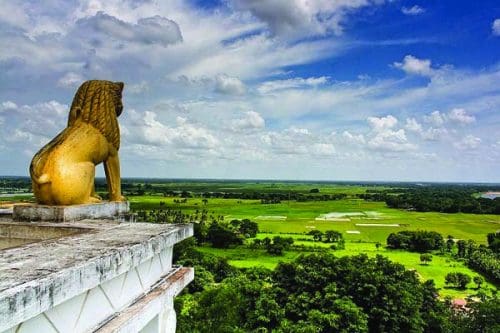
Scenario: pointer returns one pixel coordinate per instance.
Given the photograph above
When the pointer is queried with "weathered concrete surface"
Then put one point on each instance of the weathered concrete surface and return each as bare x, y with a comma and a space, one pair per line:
39, 276
19, 233
144, 310
103, 210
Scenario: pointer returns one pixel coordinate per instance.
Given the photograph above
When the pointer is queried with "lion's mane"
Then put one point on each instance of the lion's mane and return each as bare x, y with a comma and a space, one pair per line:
99, 103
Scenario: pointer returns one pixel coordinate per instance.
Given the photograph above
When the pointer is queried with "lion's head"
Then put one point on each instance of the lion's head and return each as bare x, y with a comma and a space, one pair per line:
99, 103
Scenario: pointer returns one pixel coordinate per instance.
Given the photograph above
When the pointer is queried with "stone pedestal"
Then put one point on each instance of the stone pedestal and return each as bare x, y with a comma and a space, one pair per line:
104, 210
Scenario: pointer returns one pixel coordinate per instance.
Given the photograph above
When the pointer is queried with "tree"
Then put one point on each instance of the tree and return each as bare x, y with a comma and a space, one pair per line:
425, 258
202, 279
249, 228
457, 279
494, 241
221, 236
419, 241
378, 245
450, 242
278, 245
461, 245
332, 236
317, 235
478, 280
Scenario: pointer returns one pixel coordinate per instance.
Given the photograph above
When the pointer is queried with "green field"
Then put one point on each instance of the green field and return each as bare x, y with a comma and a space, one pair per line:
300, 217
295, 219
436, 270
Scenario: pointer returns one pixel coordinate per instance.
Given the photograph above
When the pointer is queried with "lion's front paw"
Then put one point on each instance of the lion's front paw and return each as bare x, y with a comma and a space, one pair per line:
119, 198
95, 199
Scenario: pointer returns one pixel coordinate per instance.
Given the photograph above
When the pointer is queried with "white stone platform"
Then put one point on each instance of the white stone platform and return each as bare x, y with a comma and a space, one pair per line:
112, 210
109, 277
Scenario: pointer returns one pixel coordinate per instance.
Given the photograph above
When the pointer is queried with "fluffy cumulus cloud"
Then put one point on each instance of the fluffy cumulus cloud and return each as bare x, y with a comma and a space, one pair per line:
495, 27
70, 80
435, 118
298, 18
148, 30
252, 120
382, 123
229, 85
460, 116
413, 125
386, 137
415, 66
468, 142
147, 129
358, 139
413, 10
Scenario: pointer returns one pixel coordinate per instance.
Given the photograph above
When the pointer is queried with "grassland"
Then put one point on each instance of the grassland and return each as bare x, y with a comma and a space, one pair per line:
295, 219
440, 266
301, 217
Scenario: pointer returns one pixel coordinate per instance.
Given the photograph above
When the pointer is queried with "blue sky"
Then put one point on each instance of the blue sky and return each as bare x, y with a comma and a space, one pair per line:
279, 89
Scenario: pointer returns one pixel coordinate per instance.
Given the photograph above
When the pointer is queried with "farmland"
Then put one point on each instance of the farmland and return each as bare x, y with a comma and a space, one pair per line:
363, 224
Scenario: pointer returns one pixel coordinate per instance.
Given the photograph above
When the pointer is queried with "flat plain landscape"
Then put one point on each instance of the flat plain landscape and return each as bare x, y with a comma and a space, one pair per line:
362, 223
365, 224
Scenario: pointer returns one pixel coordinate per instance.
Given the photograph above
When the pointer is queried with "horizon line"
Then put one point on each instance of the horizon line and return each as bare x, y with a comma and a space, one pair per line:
296, 180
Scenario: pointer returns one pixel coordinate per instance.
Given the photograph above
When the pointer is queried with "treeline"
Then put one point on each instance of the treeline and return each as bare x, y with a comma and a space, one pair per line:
480, 258
417, 241
263, 196
320, 293
437, 198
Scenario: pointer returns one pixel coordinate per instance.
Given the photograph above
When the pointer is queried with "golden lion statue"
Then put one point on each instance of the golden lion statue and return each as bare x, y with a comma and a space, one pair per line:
63, 171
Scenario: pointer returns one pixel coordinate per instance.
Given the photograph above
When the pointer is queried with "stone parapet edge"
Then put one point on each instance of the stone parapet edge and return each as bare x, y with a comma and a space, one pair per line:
139, 313
63, 285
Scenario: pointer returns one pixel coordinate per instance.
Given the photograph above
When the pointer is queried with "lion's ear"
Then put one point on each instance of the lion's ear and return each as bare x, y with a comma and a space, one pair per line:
120, 85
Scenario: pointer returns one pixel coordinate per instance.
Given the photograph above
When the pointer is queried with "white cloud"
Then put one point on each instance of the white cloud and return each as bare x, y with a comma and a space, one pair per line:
495, 27
145, 128
147, 30
323, 149
295, 83
353, 138
415, 66
229, 85
252, 120
385, 137
388, 140
70, 80
414, 10
413, 125
382, 123
435, 118
299, 18
468, 142
137, 88
8, 105
460, 116
434, 134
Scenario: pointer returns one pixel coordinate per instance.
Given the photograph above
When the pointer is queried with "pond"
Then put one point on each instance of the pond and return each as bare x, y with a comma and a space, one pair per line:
490, 195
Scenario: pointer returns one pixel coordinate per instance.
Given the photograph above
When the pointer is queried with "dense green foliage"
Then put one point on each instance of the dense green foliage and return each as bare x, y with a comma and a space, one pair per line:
457, 280
445, 199
317, 293
324, 293
419, 241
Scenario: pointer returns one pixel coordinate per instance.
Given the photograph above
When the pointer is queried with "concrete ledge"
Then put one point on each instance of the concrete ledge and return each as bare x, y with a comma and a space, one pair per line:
105, 210
36, 277
137, 315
